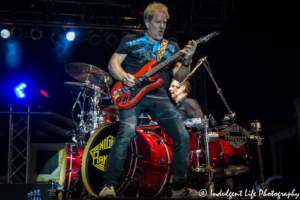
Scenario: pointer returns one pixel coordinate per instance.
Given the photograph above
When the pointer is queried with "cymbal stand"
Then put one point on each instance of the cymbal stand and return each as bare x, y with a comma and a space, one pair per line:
82, 128
231, 114
95, 109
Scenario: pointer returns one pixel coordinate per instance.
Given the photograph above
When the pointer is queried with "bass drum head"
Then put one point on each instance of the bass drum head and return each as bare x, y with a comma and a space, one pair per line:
95, 157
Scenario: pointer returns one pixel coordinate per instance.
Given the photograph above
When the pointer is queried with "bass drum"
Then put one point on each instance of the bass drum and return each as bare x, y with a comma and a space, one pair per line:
147, 151
70, 175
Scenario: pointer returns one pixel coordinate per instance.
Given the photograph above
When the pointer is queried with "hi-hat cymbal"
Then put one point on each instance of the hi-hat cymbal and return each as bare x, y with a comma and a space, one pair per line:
111, 111
76, 87
82, 72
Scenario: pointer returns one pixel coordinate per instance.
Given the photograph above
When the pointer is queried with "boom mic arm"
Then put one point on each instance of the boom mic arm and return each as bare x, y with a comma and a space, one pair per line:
190, 74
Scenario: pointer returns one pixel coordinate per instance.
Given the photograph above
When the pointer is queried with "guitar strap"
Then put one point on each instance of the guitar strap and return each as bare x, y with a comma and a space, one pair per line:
162, 49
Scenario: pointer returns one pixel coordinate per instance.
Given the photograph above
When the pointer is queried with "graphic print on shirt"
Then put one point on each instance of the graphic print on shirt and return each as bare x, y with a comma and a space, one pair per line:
148, 51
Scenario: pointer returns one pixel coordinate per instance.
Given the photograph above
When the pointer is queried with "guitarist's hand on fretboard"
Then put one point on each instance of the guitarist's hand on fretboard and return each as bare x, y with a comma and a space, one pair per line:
189, 50
129, 80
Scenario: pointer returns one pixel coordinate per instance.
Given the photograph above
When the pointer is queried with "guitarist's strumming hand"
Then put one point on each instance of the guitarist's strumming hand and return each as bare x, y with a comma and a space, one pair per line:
128, 80
189, 50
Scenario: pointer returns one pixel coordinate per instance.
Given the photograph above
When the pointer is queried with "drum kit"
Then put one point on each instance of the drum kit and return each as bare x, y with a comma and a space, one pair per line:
148, 166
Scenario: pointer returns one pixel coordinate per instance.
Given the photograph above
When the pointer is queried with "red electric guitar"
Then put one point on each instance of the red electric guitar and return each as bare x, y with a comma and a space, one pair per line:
126, 97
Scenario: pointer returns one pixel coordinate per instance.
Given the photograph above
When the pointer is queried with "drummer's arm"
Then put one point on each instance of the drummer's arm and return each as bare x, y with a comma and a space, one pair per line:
118, 72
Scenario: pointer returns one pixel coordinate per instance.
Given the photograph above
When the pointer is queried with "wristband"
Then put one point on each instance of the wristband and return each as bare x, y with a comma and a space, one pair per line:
187, 63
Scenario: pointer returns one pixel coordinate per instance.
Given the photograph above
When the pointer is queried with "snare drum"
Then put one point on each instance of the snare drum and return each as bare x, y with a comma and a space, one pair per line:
146, 150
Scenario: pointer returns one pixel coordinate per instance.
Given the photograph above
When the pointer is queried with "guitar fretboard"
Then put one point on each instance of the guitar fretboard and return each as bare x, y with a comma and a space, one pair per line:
177, 55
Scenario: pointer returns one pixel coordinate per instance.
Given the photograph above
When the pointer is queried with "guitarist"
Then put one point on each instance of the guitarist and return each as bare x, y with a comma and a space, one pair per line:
134, 52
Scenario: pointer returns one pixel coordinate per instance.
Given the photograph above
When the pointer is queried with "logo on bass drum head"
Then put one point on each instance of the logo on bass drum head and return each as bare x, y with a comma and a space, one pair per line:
100, 161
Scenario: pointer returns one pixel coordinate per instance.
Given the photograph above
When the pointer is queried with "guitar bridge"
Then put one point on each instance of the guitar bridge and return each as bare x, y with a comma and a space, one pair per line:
125, 100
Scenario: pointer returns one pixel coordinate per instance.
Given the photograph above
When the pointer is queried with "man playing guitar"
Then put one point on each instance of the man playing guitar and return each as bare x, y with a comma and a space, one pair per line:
134, 52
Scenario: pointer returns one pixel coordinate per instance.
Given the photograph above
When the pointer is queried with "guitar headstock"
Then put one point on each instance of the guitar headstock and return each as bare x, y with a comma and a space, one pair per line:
207, 37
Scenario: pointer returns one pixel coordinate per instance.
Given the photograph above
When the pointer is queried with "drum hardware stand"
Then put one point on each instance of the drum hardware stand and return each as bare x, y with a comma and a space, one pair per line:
198, 168
210, 187
140, 170
54, 188
75, 182
250, 161
199, 153
222, 154
256, 127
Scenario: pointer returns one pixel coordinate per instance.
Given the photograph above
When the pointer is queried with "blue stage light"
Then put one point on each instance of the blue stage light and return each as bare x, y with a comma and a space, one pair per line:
70, 35
19, 90
5, 33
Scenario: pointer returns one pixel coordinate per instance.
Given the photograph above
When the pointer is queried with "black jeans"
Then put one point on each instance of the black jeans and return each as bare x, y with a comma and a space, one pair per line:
167, 116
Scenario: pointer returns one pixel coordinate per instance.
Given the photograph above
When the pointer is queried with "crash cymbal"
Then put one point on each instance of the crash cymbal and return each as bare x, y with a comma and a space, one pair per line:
82, 71
76, 87
111, 111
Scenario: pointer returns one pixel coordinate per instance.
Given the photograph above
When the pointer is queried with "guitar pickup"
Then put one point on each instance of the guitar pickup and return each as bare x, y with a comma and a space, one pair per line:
125, 100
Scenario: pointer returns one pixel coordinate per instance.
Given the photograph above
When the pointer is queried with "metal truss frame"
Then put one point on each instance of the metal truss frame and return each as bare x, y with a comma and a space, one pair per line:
14, 133
196, 15
20, 114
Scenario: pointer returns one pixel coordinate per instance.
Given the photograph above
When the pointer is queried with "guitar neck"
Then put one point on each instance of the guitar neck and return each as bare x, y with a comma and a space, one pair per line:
177, 55
163, 64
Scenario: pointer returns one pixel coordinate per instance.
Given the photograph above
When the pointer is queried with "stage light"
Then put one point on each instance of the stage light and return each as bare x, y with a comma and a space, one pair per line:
44, 93
16, 32
70, 35
36, 34
94, 38
5, 33
110, 38
19, 90
56, 36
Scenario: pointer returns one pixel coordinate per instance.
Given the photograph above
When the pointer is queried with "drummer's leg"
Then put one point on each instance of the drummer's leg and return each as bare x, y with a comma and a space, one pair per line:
167, 116
118, 151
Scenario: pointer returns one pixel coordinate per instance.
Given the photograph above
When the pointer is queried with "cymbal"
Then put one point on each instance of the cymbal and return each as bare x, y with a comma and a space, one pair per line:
111, 111
76, 87
82, 71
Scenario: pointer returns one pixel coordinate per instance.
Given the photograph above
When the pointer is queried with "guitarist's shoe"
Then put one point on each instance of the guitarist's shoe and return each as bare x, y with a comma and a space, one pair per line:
107, 191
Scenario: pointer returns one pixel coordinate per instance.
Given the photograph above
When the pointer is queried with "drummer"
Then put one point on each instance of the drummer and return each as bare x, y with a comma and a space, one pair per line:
188, 108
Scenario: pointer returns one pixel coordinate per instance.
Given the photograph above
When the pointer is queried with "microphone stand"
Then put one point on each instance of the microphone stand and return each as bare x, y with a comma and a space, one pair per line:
231, 114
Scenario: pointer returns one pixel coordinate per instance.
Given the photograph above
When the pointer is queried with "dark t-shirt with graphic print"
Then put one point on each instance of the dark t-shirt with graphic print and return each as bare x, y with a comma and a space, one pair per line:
140, 51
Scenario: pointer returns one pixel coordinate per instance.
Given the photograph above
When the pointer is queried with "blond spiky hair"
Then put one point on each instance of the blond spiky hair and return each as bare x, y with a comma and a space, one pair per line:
149, 12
